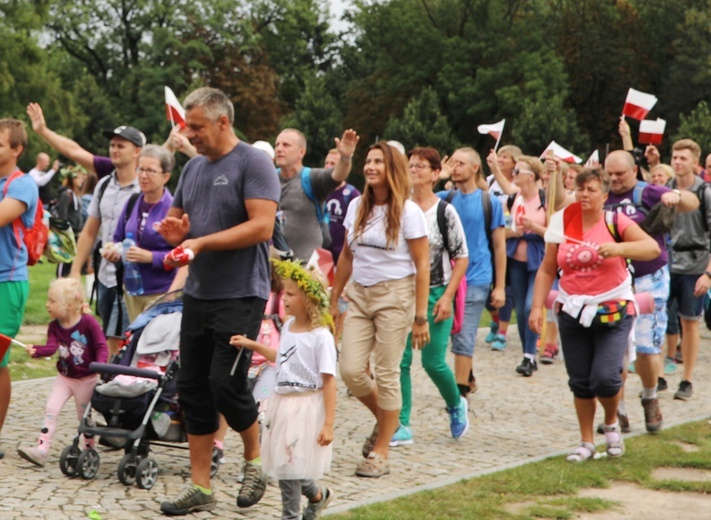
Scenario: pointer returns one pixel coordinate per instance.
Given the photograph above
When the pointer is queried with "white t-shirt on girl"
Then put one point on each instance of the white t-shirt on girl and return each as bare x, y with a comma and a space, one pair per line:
375, 261
302, 358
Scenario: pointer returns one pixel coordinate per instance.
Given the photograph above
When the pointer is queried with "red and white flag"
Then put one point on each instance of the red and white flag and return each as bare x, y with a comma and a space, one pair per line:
494, 130
174, 111
638, 104
593, 160
322, 259
561, 153
565, 225
651, 132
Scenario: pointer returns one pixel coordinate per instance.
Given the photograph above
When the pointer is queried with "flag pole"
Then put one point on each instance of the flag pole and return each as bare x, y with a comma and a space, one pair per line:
498, 140
552, 188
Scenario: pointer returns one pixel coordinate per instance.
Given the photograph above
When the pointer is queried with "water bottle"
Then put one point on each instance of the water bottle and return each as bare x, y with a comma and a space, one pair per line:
131, 274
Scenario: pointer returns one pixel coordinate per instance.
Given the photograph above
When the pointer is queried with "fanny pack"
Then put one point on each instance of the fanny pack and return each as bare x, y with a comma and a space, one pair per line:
611, 314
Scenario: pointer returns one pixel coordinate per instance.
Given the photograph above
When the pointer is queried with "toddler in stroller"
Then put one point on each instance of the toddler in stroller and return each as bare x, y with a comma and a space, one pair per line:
138, 399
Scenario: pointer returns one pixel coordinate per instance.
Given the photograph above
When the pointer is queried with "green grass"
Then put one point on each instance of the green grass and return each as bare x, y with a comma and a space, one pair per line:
40, 277
547, 489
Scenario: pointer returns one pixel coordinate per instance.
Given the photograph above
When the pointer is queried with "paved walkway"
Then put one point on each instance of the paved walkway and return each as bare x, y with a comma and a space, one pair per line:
514, 420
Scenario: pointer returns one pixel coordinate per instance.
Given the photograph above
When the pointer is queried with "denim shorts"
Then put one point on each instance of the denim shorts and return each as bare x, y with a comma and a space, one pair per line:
463, 343
650, 329
681, 291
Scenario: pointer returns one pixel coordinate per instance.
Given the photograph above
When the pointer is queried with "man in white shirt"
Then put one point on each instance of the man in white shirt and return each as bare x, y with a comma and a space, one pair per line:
42, 177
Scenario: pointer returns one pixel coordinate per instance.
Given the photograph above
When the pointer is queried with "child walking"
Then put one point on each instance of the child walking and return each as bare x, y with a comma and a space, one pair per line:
80, 340
296, 444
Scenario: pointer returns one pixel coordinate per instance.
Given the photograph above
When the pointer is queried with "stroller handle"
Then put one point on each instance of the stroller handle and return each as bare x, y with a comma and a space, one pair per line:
106, 368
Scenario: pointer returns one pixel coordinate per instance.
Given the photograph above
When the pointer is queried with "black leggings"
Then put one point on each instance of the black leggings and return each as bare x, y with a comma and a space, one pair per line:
594, 356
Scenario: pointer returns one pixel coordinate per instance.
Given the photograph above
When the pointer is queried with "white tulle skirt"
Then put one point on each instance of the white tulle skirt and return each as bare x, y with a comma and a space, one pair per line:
290, 448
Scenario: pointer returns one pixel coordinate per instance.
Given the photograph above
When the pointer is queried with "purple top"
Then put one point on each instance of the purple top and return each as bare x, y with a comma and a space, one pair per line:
651, 195
103, 166
78, 346
155, 278
337, 204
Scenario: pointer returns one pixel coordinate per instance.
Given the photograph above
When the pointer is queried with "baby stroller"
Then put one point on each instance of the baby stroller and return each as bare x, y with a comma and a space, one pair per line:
137, 397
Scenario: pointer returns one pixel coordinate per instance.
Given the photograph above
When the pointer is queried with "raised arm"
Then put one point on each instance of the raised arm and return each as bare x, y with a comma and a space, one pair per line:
63, 145
346, 147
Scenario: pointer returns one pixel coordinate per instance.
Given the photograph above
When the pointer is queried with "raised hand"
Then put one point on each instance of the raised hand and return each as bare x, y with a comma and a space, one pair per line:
34, 110
346, 145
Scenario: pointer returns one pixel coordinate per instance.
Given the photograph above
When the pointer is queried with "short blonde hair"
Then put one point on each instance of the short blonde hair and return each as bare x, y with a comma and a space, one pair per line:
534, 163
688, 144
668, 170
71, 293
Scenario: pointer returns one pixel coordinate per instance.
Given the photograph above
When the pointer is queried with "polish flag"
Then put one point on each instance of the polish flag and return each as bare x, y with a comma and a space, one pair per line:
322, 259
173, 109
561, 153
593, 160
638, 104
494, 130
565, 225
651, 132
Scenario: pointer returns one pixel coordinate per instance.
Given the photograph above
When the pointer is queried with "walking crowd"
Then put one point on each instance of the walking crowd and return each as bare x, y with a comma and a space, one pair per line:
606, 266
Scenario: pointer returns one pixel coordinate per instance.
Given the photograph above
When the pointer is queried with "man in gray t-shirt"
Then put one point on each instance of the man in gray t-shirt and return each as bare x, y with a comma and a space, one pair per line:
301, 225
224, 210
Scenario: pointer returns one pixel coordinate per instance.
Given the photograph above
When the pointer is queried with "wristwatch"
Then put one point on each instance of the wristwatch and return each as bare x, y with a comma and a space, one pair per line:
421, 320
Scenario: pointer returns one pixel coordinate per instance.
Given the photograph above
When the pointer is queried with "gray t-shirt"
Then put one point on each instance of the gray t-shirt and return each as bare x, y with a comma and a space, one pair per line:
113, 201
301, 226
690, 235
212, 193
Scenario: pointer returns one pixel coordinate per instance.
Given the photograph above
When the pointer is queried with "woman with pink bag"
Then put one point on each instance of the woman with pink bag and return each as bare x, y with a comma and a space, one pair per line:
449, 258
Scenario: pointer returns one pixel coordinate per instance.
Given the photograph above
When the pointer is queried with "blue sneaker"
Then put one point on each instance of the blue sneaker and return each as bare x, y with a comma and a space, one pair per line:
499, 342
402, 437
459, 419
491, 336
669, 365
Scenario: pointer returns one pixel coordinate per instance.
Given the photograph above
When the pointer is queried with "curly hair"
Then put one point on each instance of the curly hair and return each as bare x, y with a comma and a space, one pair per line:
71, 294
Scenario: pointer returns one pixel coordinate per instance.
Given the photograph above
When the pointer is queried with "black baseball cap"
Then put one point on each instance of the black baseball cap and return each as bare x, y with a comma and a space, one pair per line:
129, 133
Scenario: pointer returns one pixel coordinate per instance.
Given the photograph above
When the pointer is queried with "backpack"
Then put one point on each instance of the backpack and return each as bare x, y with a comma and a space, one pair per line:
512, 198
34, 238
486, 207
636, 200
61, 245
321, 212
461, 294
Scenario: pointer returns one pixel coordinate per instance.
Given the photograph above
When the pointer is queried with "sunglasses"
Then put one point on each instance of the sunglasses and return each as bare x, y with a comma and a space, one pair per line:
517, 171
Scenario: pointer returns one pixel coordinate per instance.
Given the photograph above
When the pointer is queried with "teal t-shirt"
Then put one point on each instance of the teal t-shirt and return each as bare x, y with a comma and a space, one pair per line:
13, 258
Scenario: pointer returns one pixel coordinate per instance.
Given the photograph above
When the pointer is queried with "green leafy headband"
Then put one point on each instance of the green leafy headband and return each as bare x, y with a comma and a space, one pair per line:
314, 290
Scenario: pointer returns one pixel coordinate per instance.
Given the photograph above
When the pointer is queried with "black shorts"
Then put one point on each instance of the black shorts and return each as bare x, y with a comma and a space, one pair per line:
206, 386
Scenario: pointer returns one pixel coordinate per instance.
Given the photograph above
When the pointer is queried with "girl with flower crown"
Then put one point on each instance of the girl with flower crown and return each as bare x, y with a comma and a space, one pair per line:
296, 444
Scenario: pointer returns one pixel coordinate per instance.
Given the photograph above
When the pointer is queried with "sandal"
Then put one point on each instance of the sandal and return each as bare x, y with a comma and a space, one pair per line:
615, 443
582, 453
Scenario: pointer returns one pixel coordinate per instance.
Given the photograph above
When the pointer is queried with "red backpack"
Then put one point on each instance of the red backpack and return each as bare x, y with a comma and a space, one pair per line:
34, 238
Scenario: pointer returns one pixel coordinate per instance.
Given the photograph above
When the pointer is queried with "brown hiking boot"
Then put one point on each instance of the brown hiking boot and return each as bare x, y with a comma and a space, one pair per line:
652, 415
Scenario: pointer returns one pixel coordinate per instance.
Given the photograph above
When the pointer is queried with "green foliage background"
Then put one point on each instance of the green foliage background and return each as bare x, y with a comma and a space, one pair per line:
424, 72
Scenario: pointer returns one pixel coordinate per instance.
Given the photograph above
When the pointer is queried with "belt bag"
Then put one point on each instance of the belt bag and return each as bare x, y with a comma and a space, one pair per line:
611, 314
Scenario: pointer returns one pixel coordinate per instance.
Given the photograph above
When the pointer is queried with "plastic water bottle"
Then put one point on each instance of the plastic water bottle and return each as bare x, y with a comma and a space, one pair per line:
131, 275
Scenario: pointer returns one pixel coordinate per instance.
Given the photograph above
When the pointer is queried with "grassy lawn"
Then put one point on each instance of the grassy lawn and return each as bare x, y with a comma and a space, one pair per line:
22, 366
547, 489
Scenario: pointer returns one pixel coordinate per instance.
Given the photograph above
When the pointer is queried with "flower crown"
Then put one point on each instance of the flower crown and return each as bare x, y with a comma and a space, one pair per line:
72, 171
313, 289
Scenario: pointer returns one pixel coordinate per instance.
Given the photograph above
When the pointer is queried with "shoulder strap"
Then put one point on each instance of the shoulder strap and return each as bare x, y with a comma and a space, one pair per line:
542, 196
510, 201
309, 192
450, 196
102, 190
486, 206
18, 221
129, 208
701, 194
611, 222
637, 192
442, 222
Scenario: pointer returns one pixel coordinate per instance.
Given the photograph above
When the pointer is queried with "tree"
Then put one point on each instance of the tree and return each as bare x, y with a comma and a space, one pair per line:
697, 126
422, 124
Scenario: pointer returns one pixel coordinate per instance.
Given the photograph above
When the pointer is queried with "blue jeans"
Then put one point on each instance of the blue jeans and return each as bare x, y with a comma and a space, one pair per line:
109, 311
463, 343
522, 286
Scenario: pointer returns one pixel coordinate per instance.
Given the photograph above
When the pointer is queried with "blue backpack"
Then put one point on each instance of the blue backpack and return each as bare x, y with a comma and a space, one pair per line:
321, 212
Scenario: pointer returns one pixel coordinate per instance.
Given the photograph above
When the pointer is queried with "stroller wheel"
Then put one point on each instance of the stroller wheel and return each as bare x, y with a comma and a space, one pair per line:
68, 460
88, 464
127, 469
147, 473
217, 454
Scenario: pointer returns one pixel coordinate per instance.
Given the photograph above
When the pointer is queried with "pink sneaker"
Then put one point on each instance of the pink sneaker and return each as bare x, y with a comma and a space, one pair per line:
33, 455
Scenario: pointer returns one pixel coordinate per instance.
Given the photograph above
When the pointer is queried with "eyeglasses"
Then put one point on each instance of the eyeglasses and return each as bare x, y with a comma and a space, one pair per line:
147, 171
419, 166
517, 171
